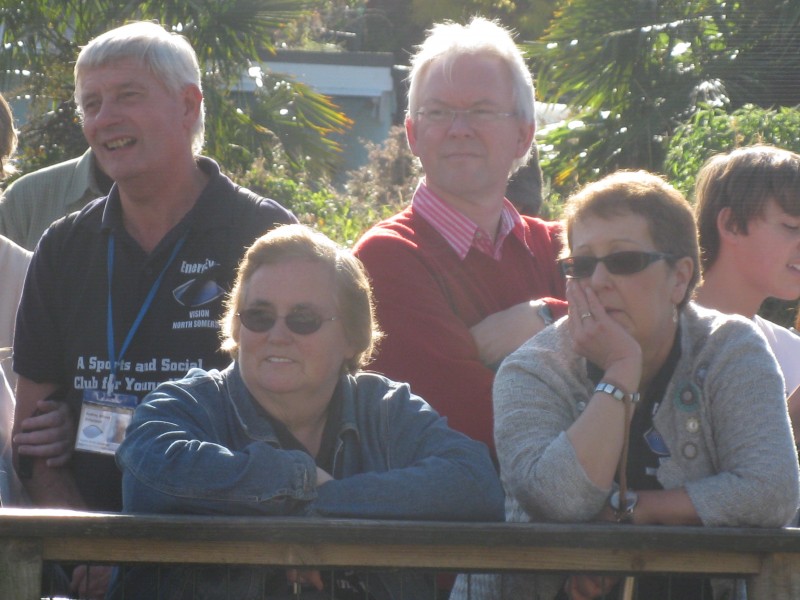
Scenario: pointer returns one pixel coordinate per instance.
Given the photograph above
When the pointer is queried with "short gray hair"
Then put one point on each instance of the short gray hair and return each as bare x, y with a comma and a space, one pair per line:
168, 56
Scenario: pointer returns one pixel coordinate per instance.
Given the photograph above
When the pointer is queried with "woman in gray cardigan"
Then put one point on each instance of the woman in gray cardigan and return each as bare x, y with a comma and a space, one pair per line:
690, 401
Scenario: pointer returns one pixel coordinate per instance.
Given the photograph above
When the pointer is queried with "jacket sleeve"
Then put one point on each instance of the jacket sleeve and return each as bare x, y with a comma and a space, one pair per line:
534, 397
175, 460
414, 467
426, 343
756, 484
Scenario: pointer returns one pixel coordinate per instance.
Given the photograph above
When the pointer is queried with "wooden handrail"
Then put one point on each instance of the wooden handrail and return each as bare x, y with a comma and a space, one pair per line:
30, 536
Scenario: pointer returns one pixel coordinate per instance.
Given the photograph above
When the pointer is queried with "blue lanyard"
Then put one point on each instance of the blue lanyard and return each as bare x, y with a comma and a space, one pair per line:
115, 362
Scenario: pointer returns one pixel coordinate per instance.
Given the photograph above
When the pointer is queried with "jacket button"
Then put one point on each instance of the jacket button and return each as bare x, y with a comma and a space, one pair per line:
689, 450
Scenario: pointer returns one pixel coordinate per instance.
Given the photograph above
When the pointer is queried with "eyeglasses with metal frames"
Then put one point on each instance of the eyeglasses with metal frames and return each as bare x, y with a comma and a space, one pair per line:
472, 116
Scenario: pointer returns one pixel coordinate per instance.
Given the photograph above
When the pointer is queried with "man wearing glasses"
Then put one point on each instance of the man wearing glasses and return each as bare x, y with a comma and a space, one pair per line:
460, 278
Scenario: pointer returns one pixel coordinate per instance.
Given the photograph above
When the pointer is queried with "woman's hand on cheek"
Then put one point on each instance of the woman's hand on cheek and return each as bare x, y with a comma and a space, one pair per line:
595, 335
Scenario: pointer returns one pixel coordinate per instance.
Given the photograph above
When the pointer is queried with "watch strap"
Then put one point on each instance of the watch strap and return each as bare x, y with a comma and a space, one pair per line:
609, 388
546, 314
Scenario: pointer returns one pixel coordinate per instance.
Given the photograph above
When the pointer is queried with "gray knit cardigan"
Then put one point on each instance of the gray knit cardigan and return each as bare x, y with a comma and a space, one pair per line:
723, 417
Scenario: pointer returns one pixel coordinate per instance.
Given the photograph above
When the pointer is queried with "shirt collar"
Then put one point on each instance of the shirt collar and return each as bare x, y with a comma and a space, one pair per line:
461, 232
84, 183
211, 212
112, 212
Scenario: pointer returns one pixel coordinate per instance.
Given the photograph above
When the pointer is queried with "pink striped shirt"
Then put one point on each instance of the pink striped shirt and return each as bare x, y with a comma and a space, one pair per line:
460, 231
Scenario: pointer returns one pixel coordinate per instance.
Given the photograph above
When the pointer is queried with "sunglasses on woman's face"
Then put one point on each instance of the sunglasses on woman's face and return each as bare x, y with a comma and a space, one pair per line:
259, 320
617, 263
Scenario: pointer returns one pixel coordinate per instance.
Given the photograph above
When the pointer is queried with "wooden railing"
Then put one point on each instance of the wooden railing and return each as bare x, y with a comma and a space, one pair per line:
770, 559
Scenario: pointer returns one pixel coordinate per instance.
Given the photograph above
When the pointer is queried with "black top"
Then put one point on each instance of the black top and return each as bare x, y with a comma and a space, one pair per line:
645, 452
330, 433
61, 332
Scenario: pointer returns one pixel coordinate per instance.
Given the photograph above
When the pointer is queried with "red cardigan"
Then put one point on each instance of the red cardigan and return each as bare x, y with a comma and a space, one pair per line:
427, 299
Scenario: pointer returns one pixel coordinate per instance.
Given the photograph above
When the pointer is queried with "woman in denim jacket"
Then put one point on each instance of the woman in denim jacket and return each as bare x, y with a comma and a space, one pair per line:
293, 428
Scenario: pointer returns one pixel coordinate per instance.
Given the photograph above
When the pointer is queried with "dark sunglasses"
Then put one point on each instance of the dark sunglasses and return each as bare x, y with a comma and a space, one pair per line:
617, 263
301, 323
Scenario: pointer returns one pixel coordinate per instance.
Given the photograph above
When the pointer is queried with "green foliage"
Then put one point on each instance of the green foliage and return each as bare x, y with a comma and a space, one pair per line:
398, 25
390, 176
633, 71
289, 118
333, 26
375, 191
529, 18
782, 312
320, 206
227, 36
712, 130
390, 28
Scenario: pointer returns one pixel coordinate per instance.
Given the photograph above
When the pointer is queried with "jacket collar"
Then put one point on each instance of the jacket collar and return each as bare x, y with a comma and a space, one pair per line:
252, 417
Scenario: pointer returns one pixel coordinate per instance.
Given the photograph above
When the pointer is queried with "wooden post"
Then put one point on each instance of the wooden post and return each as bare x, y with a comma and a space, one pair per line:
779, 578
20, 569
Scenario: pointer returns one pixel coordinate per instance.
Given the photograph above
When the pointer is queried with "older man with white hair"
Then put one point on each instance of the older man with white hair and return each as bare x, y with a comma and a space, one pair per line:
461, 279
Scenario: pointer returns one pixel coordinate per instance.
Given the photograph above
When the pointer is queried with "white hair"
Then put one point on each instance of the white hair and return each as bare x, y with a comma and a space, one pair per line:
168, 56
448, 41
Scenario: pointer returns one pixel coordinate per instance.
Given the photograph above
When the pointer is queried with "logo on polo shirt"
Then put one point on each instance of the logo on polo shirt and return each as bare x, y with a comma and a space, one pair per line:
201, 289
198, 268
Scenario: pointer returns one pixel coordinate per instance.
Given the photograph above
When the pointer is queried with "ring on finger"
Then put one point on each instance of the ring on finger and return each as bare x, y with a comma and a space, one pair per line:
586, 315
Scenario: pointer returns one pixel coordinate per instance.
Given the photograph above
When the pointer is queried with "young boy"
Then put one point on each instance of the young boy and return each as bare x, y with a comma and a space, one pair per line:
748, 217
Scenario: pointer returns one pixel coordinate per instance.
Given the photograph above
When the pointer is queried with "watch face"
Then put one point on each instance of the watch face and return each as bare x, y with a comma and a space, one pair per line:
630, 501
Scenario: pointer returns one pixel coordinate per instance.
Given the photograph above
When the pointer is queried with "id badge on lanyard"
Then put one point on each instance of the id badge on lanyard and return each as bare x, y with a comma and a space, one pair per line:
104, 419
106, 414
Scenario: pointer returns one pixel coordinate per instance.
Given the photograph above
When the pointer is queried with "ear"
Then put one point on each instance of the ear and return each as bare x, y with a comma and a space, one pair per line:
682, 272
192, 99
525, 138
725, 226
411, 135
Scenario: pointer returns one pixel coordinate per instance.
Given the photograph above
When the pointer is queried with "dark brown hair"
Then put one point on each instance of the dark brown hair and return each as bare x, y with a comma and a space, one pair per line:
743, 180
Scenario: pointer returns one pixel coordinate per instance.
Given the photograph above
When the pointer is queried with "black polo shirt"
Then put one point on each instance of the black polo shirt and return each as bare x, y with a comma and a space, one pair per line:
61, 331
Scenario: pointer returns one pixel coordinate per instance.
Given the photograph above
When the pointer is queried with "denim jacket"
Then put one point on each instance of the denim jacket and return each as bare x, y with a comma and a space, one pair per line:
202, 445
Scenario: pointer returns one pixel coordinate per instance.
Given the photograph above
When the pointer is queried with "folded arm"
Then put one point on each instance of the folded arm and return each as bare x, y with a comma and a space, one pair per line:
424, 470
43, 438
176, 458
438, 343
500, 333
